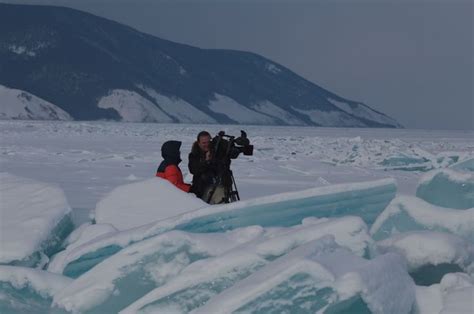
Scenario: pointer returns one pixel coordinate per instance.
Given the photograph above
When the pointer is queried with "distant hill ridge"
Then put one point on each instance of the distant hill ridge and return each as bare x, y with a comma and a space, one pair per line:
93, 68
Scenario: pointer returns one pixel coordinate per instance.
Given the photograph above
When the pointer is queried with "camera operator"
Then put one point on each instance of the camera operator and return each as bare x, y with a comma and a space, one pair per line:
209, 162
200, 164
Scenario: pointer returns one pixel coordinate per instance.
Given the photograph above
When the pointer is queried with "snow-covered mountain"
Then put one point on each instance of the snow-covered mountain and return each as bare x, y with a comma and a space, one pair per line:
21, 105
94, 68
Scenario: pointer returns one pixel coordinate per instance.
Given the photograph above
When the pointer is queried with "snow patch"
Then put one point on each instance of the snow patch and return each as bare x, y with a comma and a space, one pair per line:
237, 112
272, 68
183, 111
362, 111
21, 50
18, 104
331, 118
272, 110
132, 107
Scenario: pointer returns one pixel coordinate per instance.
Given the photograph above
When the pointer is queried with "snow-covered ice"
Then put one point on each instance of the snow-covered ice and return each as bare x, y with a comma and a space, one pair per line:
430, 254
454, 294
297, 241
200, 280
408, 213
28, 290
365, 199
318, 276
447, 188
35, 219
153, 199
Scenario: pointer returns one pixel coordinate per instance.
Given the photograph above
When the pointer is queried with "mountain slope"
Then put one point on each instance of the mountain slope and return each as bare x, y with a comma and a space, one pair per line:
74, 59
17, 104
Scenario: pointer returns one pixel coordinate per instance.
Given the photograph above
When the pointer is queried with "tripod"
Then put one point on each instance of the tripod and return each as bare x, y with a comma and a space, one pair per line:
220, 193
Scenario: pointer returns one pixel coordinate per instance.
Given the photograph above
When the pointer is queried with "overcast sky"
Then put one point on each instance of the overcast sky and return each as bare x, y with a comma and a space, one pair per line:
411, 59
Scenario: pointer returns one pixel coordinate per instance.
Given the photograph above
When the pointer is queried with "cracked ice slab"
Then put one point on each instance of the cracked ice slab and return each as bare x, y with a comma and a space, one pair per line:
407, 213
35, 218
28, 290
320, 276
366, 199
207, 277
134, 271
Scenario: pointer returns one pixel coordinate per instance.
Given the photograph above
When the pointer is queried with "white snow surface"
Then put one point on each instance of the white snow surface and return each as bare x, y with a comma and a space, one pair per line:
43, 282
237, 112
133, 107
21, 105
91, 159
153, 199
427, 247
183, 111
454, 294
29, 211
285, 158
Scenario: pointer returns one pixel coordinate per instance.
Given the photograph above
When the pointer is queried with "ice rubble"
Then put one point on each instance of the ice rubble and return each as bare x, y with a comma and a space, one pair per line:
447, 188
453, 295
35, 218
28, 290
365, 199
430, 254
139, 203
318, 276
139, 268
201, 280
408, 213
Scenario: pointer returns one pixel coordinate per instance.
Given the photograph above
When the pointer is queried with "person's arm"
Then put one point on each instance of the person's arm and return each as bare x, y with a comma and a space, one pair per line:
196, 166
174, 175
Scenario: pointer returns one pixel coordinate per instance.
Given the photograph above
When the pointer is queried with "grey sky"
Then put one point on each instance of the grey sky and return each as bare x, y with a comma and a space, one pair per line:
412, 60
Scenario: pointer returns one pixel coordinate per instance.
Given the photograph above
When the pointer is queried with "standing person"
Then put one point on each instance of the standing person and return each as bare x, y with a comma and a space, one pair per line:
168, 168
200, 164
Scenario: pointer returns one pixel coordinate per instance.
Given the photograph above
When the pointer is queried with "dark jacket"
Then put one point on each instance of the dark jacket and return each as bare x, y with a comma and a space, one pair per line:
203, 170
168, 168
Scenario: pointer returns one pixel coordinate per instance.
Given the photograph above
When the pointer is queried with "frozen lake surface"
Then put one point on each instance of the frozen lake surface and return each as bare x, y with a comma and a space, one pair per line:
89, 159
330, 220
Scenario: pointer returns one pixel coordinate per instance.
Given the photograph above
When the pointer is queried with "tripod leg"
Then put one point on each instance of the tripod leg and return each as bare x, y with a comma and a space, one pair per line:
235, 185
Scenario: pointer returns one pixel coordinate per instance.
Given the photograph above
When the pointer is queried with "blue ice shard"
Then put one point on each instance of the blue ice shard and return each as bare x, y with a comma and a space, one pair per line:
407, 213
28, 290
465, 165
447, 188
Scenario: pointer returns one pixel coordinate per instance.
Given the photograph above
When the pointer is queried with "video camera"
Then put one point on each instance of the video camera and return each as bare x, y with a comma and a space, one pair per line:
228, 147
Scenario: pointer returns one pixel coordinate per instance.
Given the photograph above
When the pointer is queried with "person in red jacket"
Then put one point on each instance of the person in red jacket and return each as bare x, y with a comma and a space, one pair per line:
168, 168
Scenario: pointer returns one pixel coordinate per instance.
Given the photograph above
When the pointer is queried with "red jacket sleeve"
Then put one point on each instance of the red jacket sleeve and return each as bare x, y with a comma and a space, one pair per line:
174, 175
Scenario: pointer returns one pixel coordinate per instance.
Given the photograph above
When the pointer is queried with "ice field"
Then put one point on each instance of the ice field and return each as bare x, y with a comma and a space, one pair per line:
330, 220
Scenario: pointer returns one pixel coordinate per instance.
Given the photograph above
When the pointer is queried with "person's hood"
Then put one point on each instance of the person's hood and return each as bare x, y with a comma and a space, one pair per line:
170, 152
